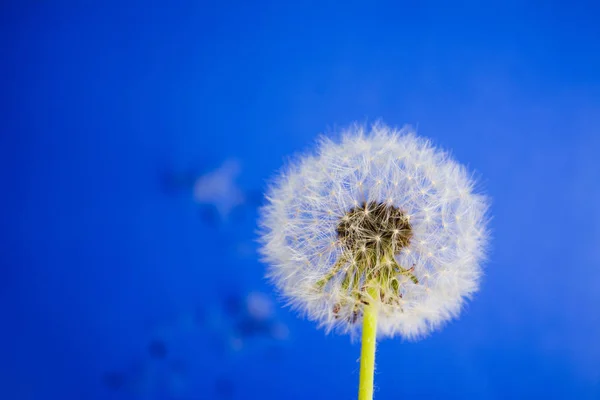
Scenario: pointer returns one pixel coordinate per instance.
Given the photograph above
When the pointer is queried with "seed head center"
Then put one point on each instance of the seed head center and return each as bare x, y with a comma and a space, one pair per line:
378, 227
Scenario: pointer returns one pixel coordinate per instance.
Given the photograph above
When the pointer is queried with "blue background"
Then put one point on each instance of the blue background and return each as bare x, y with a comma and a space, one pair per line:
100, 98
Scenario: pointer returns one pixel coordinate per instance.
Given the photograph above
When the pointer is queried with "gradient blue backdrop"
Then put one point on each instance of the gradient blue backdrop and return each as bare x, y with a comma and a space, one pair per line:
99, 97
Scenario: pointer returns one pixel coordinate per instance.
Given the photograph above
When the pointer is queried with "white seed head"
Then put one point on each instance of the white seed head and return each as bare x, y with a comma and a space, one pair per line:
380, 210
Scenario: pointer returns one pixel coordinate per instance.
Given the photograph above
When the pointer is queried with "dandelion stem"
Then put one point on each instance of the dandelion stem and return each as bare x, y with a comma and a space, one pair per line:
367, 352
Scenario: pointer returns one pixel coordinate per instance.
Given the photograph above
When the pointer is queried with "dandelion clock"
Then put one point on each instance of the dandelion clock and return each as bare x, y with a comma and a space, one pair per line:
379, 233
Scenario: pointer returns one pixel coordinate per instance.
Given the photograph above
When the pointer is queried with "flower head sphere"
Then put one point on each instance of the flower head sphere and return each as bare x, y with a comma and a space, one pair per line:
380, 217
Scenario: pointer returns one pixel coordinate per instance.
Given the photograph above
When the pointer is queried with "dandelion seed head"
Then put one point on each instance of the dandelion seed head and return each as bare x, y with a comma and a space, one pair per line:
381, 208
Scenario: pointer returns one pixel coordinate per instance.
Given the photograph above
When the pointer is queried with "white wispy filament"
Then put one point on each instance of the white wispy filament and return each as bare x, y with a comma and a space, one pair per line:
384, 209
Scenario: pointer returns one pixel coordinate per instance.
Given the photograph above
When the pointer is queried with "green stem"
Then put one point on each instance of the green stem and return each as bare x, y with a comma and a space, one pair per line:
367, 352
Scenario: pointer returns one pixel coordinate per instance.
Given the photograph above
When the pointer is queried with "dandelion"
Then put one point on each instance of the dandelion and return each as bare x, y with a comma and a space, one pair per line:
379, 230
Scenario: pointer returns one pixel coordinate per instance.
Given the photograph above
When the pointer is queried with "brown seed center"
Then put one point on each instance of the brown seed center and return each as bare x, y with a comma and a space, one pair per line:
375, 227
